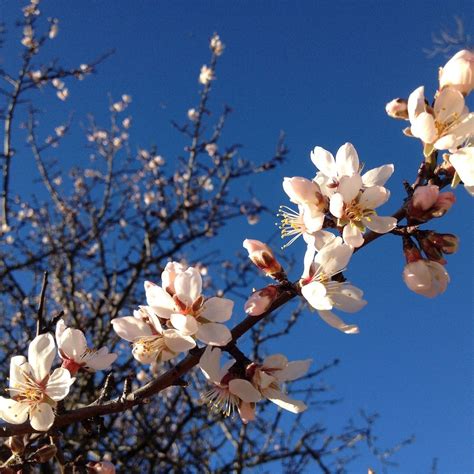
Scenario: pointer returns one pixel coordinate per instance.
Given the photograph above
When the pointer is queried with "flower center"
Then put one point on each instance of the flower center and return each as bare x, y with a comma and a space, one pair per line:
220, 400
292, 224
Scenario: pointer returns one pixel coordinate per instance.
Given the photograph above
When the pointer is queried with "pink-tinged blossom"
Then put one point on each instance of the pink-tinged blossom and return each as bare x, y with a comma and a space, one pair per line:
180, 303
73, 350
458, 72
34, 391
260, 301
262, 256
322, 292
463, 162
398, 109
427, 202
445, 126
229, 393
426, 277
274, 371
151, 343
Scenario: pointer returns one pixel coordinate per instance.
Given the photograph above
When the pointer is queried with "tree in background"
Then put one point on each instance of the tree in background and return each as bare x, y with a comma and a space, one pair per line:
78, 252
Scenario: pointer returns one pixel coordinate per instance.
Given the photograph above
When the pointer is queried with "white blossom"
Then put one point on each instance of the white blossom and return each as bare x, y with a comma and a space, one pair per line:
463, 162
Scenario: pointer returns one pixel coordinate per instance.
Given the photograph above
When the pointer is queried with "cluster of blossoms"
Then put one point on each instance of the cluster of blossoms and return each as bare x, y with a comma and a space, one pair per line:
239, 388
34, 390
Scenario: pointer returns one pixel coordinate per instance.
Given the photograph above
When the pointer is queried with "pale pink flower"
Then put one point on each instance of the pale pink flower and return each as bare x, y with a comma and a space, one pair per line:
206, 75
33, 389
458, 72
260, 301
426, 277
397, 108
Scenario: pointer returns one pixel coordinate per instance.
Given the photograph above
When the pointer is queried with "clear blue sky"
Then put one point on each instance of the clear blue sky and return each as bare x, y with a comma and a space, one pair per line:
322, 72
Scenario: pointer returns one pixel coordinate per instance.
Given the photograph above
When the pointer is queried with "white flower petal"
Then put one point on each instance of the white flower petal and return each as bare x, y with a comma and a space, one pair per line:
374, 197
60, 328
324, 161
177, 342
188, 286
18, 365
284, 401
463, 162
41, 417
294, 370
347, 160
185, 324
12, 411
380, 224
217, 309
72, 343
448, 104
41, 353
334, 257
130, 328
348, 298
244, 390
210, 364
349, 187
214, 334
336, 322
315, 294
416, 103
100, 361
58, 384
352, 236
336, 205
424, 128
275, 361
159, 299
377, 176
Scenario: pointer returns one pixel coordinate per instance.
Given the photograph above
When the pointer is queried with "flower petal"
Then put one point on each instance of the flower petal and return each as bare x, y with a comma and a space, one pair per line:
416, 103
348, 298
214, 334
188, 286
334, 321
284, 401
374, 197
72, 343
58, 384
316, 295
275, 361
217, 309
159, 299
41, 417
244, 390
424, 128
463, 162
294, 370
449, 103
347, 160
177, 342
100, 360
12, 411
130, 328
185, 324
352, 235
41, 353
377, 176
336, 205
210, 364
380, 224
349, 187
334, 257
324, 161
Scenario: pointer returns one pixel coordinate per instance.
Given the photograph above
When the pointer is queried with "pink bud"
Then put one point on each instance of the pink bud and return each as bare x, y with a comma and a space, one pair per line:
458, 72
426, 278
260, 301
424, 197
102, 467
397, 108
262, 256
302, 190
443, 204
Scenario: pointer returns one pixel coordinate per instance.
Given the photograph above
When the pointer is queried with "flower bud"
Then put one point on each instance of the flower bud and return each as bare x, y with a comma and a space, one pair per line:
432, 251
262, 257
102, 467
45, 453
410, 250
398, 109
302, 190
458, 72
16, 444
446, 243
427, 202
426, 278
260, 301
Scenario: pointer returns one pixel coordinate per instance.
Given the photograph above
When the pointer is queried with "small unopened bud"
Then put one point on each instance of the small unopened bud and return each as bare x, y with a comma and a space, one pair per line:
262, 256
102, 467
410, 250
458, 72
16, 444
427, 202
398, 109
302, 190
260, 301
426, 278
432, 251
446, 243
45, 453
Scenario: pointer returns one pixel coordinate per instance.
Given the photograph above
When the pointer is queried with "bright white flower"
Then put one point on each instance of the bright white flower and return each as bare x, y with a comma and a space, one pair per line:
229, 393
274, 371
151, 343
445, 126
180, 302
325, 294
193, 115
206, 75
34, 391
458, 72
73, 350
463, 162
211, 149
355, 210
346, 164
216, 45
312, 206
426, 277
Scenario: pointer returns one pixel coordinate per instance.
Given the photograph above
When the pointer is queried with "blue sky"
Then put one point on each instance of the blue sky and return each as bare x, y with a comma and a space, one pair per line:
322, 72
